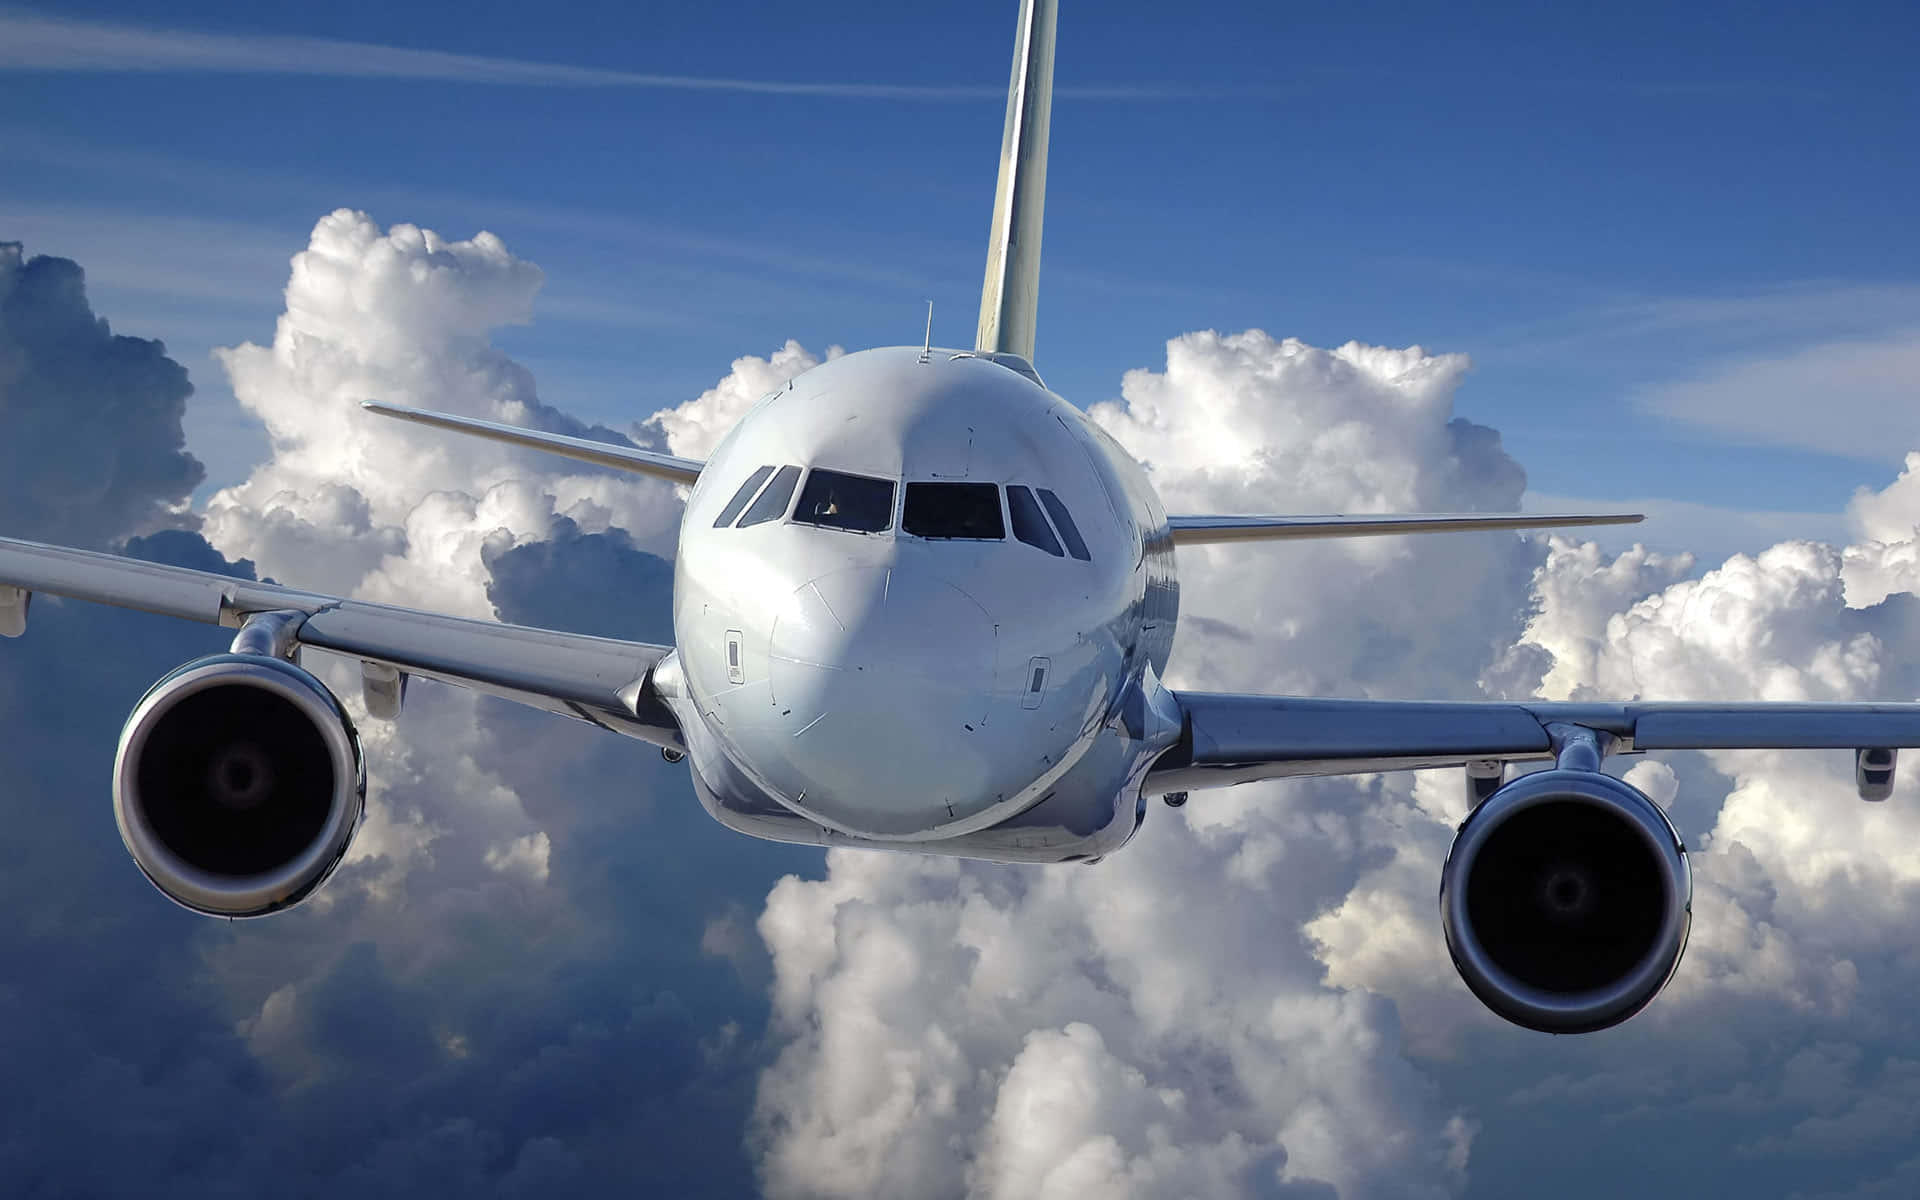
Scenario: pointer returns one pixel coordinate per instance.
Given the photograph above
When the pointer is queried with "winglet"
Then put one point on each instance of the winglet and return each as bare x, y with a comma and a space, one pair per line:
1010, 297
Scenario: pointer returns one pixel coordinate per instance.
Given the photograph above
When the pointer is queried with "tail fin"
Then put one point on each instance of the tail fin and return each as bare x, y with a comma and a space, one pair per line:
1012, 292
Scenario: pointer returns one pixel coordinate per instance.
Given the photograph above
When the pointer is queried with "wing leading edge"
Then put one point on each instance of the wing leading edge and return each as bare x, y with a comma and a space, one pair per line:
600, 454
1210, 530
1233, 739
600, 680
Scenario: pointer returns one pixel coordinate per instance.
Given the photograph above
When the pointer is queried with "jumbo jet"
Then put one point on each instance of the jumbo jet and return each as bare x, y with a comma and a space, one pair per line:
923, 604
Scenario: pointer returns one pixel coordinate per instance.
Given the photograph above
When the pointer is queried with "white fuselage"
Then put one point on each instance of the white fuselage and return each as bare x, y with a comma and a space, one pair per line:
864, 661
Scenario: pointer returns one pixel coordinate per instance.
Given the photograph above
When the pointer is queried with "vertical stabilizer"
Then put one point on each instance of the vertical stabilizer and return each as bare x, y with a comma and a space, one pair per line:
1012, 291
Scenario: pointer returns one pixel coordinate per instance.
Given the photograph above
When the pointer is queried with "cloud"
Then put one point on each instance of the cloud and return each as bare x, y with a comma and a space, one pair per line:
1255, 995
1755, 321
30, 42
693, 429
1158, 1023
353, 503
93, 448
469, 1003
1709, 532
544, 964
1865, 393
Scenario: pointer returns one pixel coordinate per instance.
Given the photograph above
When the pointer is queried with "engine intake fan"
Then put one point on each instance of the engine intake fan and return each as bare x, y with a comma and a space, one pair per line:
238, 784
1566, 901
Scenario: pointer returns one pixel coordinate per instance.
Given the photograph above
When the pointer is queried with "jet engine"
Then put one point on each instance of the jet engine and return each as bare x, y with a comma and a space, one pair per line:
1566, 900
238, 784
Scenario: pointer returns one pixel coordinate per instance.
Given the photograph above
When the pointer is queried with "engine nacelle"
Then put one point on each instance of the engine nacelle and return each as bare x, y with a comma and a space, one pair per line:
238, 785
1566, 901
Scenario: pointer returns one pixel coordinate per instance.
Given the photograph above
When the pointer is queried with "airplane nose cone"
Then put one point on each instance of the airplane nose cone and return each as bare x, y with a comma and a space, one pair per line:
882, 678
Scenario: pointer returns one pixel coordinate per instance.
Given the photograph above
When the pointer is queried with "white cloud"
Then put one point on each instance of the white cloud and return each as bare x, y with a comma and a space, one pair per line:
1257, 990
934, 1010
37, 43
1709, 532
30, 42
1859, 398
357, 504
693, 429
525, 856
34, 43
1254, 999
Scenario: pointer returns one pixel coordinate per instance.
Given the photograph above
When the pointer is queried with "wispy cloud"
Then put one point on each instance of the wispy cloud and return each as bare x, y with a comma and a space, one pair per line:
33, 42
1711, 532
1856, 398
227, 265
1800, 312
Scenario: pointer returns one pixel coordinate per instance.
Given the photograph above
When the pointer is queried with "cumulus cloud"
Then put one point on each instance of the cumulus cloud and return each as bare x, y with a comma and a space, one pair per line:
93, 448
358, 504
468, 1004
1255, 996
693, 429
936, 1011
543, 967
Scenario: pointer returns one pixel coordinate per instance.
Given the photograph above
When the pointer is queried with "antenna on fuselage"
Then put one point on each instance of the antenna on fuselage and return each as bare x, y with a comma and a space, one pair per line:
1011, 295
926, 350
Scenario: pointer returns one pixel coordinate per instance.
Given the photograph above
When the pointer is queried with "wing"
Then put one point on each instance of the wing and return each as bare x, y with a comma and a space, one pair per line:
1201, 531
1232, 739
601, 680
600, 454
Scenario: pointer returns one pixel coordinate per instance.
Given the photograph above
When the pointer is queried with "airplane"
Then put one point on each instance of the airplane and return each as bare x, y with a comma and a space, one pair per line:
921, 603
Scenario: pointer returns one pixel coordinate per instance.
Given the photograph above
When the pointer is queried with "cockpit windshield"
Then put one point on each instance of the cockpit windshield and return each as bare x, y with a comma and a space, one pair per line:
954, 510
772, 504
864, 504
852, 502
1028, 523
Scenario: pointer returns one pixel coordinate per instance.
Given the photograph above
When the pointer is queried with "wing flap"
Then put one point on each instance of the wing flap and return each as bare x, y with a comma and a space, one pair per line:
1773, 726
1212, 530
600, 454
567, 673
1243, 738
1233, 739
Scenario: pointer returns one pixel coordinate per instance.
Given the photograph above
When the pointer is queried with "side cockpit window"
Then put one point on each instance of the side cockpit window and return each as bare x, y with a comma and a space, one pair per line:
772, 504
954, 510
741, 497
1063, 520
857, 503
1029, 523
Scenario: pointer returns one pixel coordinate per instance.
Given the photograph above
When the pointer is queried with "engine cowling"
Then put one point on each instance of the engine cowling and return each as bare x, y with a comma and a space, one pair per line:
238, 785
1566, 901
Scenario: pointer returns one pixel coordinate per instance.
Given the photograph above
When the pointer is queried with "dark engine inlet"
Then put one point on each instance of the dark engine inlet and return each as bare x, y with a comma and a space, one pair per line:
1566, 901
238, 785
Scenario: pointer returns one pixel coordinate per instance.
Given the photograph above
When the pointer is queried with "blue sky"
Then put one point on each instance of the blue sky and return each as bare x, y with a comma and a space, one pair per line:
1597, 206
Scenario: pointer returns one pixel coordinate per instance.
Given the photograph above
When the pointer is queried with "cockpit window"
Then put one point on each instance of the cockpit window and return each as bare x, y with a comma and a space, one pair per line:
772, 504
1029, 524
1063, 519
741, 497
853, 502
954, 510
